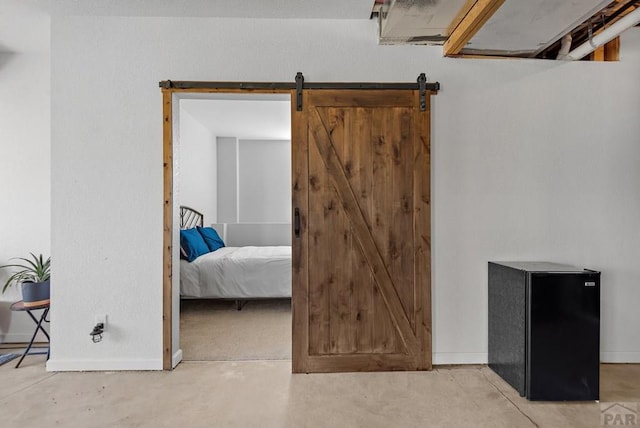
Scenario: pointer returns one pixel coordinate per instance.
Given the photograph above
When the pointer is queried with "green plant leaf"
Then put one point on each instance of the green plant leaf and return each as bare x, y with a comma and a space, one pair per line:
36, 269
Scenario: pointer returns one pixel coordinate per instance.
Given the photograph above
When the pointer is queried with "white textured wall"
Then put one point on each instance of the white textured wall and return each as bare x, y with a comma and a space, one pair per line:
254, 180
227, 179
265, 181
198, 178
531, 160
25, 199
536, 161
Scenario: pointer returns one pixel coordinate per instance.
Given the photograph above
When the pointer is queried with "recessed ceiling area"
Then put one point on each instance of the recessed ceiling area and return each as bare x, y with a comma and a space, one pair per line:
550, 29
528, 26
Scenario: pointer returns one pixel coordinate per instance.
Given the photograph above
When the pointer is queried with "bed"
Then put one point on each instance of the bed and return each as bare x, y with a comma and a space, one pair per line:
234, 272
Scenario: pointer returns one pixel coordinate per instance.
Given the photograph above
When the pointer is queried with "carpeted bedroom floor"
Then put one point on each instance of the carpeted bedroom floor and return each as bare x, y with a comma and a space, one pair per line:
214, 330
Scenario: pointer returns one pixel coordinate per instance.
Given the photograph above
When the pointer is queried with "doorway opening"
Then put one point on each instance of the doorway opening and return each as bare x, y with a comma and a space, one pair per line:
232, 165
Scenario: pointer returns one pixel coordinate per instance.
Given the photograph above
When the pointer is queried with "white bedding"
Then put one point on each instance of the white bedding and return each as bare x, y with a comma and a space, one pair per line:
238, 272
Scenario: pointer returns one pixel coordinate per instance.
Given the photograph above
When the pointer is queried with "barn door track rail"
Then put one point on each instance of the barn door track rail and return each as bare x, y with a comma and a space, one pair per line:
299, 85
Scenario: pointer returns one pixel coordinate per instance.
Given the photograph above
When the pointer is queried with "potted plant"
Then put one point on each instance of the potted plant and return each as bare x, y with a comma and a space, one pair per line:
34, 275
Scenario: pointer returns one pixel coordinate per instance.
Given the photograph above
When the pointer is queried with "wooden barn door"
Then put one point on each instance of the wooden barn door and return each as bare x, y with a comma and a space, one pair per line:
361, 245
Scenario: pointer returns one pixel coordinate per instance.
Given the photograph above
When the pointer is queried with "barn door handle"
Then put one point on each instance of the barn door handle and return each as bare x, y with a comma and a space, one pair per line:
296, 222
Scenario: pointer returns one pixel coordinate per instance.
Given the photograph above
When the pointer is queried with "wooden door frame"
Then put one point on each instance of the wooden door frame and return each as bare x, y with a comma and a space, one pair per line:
169, 88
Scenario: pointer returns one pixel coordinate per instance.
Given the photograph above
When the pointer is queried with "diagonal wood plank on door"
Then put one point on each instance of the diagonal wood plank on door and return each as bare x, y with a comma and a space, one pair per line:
362, 232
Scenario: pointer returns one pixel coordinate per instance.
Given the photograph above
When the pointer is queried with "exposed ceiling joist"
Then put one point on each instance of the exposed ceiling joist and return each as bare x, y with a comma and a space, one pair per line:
473, 20
591, 27
607, 34
545, 29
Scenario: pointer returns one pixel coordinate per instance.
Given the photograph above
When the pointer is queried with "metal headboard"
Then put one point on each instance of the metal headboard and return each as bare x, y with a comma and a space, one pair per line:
190, 218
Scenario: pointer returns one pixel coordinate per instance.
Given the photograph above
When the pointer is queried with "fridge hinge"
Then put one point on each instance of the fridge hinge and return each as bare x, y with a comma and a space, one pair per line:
299, 83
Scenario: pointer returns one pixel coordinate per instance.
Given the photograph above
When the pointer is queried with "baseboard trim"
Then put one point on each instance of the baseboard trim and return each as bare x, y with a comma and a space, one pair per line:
177, 357
620, 357
443, 358
102, 365
439, 358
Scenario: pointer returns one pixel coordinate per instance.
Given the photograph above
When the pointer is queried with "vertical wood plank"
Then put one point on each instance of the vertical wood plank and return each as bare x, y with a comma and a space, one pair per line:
321, 275
597, 54
347, 255
422, 230
300, 244
359, 173
337, 229
378, 223
384, 338
336, 234
401, 257
350, 154
612, 50
167, 236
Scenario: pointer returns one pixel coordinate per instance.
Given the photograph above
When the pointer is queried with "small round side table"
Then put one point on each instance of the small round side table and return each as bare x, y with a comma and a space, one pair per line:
19, 306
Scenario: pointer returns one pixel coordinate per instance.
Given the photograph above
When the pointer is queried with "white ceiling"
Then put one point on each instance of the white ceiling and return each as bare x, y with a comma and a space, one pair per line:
254, 117
276, 9
25, 24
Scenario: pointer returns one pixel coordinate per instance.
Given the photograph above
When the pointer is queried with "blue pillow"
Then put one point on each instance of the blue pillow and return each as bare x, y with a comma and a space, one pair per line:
211, 237
192, 244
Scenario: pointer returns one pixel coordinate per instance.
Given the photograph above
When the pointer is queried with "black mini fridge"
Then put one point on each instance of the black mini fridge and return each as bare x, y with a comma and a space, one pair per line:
544, 329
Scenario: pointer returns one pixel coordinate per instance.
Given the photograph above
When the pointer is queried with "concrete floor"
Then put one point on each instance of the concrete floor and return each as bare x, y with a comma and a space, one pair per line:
266, 394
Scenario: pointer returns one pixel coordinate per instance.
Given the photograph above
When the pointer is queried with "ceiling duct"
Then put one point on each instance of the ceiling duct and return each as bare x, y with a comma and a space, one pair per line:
424, 22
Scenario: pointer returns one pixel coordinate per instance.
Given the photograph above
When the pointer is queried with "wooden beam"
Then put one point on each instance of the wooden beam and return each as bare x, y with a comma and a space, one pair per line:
460, 16
167, 281
474, 19
612, 50
598, 54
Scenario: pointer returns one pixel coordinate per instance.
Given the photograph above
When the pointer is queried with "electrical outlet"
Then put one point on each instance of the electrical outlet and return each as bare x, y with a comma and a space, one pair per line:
102, 319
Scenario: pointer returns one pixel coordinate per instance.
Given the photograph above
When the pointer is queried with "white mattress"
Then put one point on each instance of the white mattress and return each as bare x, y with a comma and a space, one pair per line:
238, 272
